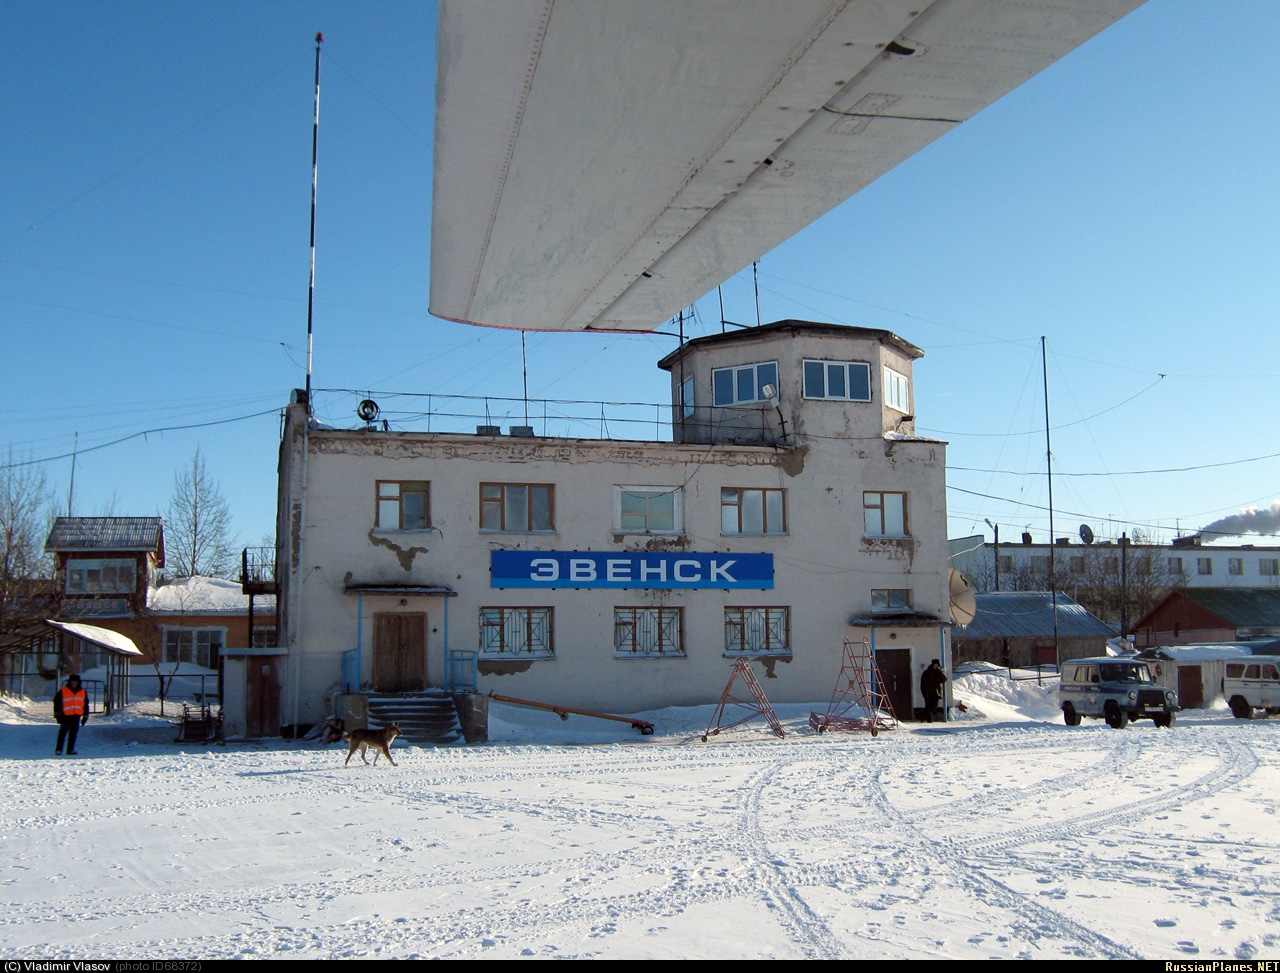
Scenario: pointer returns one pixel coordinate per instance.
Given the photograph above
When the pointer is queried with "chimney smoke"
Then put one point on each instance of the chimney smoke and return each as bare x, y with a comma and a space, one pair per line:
1254, 520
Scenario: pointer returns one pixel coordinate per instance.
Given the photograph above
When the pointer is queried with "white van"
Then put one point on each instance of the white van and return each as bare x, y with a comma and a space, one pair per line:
1252, 683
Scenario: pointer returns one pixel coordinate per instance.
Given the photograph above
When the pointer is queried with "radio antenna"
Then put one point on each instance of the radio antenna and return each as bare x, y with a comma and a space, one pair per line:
311, 288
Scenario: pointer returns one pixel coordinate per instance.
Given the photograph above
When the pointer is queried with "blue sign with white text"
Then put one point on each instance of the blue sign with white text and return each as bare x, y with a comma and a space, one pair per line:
628, 569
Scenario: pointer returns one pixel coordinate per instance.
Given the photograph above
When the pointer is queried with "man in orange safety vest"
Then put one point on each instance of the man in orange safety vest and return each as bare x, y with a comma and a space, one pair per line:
71, 710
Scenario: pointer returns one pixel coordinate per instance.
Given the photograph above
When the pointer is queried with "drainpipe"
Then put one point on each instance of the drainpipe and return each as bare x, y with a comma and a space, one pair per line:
448, 661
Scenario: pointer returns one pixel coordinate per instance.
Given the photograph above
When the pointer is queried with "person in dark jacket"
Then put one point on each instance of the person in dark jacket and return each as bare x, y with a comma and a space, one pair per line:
931, 682
71, 710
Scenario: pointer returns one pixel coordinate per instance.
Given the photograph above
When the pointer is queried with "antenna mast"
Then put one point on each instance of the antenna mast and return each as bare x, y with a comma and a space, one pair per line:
311, 288
1048, 458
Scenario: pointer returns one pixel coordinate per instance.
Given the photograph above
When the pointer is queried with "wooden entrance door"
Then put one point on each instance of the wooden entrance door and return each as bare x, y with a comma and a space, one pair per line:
1190, 690
399, 652
262, 695
895, 680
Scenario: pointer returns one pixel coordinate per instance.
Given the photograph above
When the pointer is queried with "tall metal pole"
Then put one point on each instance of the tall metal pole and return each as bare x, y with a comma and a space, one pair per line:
311, 288
755, 276
71, 490
1048, 457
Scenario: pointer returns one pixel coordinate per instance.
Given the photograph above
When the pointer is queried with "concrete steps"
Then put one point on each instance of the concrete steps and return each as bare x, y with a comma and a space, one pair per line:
426, 718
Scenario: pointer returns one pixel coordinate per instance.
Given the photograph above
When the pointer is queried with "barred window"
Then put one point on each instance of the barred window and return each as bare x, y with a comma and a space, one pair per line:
757, 631
516, 633
648, 633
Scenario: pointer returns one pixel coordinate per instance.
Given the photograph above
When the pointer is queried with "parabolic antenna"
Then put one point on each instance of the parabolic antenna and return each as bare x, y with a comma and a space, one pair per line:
1086, 533
964, 605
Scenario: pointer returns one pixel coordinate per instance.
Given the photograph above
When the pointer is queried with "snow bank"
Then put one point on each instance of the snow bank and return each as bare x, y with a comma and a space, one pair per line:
993, 695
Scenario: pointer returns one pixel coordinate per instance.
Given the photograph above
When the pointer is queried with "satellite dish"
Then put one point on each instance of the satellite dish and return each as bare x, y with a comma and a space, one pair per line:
964, 604
1086, 533
367, 410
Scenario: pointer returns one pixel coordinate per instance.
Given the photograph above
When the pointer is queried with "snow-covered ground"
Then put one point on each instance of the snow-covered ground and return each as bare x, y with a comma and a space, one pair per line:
1003, 834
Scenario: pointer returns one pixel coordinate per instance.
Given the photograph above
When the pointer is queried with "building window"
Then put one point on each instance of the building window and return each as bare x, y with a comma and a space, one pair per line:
1142, 566
1270, 566
1204, 565
402, 505
890, 599
647, 510
1040, 565
744, 511
201, 646
1075, 564
732, 386
684, 407
516, 633
90, 577
1175, 565
849, 381
895, 390
757, 631
1006, 562
1235, 565
648, 633
519, 507
264, 636
1111, 565
885, 513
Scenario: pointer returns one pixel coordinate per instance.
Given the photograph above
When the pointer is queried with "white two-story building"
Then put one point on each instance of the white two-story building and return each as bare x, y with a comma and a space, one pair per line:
794, 509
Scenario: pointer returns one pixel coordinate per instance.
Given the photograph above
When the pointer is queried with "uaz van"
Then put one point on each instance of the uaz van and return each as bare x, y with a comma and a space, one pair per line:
1117, 690
1252, 683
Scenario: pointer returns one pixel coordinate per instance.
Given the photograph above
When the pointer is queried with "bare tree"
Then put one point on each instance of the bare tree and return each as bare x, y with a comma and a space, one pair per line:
198, 524
25, 510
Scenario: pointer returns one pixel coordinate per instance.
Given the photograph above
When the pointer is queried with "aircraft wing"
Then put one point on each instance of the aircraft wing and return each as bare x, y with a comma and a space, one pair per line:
600, 164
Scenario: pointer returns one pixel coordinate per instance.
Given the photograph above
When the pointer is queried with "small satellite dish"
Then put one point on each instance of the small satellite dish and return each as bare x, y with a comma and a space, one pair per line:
1086, 533
367, 410
964, 605
769, 391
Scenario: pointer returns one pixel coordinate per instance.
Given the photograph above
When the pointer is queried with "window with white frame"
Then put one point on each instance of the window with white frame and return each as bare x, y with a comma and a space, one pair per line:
743, 383
1204, 565
1269, 566
848, 381
647, 510
757, 631
403, 505
516, 633
751, 511
885, 514
201, 646
517, 507
896, 392
1235, 565
648, 633
890, 599
90, 577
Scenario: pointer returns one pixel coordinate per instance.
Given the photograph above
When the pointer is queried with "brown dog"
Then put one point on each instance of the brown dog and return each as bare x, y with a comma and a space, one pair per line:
362, 740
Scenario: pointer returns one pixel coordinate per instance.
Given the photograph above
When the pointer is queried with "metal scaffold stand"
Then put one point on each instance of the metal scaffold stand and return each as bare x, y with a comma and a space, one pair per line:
756, 705
858, 702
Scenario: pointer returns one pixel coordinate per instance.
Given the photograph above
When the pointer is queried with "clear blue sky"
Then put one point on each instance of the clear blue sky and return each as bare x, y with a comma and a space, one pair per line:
153, 260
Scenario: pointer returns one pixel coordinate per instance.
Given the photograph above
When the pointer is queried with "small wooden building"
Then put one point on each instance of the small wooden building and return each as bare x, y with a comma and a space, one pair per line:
1195, 671
1197, 615
1016, 629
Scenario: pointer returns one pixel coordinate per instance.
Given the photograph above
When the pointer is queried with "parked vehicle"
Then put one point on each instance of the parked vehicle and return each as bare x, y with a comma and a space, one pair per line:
1252, 683
1116, 690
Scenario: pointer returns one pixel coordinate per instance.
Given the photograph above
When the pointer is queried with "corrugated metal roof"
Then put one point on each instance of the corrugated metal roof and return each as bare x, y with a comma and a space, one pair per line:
1241, 607
105, 534
1029, 614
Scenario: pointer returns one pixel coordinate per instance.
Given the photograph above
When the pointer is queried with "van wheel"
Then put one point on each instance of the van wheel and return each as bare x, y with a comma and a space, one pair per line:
1165, 720
1116, 718
1240, 708
1069, 715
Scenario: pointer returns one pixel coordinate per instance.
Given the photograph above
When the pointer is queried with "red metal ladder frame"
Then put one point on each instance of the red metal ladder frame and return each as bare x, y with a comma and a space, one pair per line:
853, 691
758, 704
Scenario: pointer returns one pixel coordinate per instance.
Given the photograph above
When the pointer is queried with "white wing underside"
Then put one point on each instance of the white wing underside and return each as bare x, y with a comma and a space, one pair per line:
600, 164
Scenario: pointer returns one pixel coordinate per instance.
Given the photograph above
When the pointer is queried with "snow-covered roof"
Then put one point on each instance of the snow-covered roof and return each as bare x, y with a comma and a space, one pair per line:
104, 637
1204, 651
209, 596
